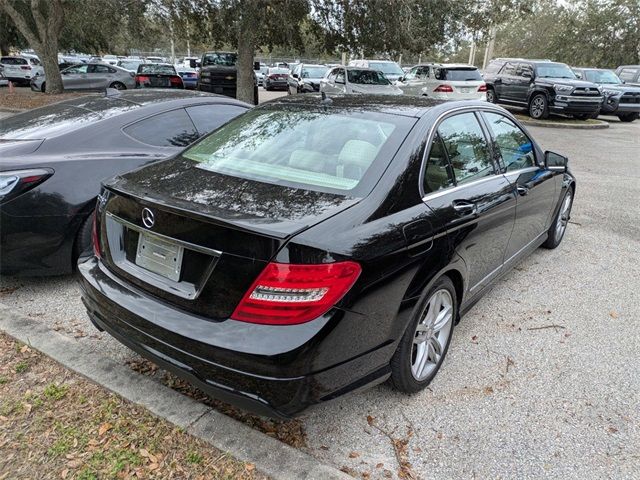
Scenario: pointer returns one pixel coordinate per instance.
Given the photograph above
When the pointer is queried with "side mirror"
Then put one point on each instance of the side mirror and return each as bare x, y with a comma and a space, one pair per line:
555, 162
256, 65
295, 75
192, 63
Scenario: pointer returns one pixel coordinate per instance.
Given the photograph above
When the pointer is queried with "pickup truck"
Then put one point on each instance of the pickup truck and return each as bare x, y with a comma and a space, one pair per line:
219, 74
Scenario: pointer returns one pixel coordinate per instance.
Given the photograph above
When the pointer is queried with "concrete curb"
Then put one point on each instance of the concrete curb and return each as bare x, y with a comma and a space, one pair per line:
12, 110
270, 456
552, 124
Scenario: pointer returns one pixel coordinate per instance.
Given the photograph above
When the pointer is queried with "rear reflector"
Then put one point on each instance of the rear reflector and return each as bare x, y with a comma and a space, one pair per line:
444, 89
286, 294
482, 88
95, 237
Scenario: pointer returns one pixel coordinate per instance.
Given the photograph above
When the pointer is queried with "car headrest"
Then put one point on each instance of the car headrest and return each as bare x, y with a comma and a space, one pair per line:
309, 160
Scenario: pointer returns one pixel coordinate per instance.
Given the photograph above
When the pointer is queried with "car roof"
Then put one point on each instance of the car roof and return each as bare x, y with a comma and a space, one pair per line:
405, 105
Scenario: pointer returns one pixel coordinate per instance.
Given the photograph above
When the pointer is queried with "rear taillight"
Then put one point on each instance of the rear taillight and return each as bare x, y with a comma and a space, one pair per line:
482, 88
25, 67
287, 294
176, 81
444, 89
272, 77
95, 236
17, 182
142, 79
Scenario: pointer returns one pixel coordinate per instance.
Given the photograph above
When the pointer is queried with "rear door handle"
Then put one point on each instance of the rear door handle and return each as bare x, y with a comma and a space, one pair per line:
464, 207
522, 190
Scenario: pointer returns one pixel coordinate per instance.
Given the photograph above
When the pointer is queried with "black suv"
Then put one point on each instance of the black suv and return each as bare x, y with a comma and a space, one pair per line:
543, 87
219, 74
619, 99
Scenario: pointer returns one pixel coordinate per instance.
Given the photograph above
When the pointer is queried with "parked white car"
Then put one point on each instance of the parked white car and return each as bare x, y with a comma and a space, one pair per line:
444, 81
357, 80
21, 68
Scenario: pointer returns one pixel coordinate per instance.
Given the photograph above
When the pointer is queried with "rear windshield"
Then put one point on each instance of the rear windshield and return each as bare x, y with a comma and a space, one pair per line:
458, 74
129, 64
313, 72
387, 67
13, 61
45, 122
222, 59
157, 68
329, 151
367, 77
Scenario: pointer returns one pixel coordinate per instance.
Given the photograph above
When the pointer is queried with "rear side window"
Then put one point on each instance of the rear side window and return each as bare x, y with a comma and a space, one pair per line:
466, 147
493, 67
100, 69
77, 69
438, 173
209, 117
168, 129
516, 149
509, 69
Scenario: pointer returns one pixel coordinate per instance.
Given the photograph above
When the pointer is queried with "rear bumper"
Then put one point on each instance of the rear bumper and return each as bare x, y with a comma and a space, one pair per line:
269, 370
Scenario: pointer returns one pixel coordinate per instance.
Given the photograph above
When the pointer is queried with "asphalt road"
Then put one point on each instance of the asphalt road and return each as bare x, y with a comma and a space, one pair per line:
542, 377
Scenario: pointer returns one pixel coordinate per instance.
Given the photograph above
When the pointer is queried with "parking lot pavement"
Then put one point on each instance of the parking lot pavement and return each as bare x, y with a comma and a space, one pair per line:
264, 96
541, 377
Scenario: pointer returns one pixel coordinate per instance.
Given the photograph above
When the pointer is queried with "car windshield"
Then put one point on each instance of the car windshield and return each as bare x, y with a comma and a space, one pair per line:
314, 149
388, 68
458, 74
157, 68
313, 72
555, 70
221, 59
278, 71
602, 76
367, 77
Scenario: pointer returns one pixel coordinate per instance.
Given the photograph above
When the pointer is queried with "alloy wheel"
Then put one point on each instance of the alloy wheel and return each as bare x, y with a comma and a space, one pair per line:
563, 216
537, 107
432, 334
490, 96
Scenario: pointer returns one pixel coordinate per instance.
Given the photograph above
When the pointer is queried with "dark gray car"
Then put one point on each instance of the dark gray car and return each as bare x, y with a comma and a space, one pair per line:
305, 78
619, 99
90, 76
54, 159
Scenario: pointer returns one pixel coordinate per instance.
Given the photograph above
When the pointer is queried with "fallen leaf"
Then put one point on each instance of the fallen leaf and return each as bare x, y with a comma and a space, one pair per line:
613, 430
370, 420
250, 467
153, 466
474, 338
64, 473
324, 447
613, 314
104, 428
487, 390
25, 349
144, 452
354, 455
380, 465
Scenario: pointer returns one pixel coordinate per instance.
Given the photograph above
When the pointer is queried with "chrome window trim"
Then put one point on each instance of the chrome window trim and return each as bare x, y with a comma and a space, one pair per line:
431, 133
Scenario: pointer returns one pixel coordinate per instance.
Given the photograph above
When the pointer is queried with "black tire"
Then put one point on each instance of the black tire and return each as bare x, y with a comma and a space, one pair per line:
539, 107
555, 234
43, 87
256, 98
118, 86
83, 244
628, 117
491, 95
402, 377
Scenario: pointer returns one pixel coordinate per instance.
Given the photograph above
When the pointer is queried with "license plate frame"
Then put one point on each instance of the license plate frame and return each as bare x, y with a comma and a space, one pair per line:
159, 256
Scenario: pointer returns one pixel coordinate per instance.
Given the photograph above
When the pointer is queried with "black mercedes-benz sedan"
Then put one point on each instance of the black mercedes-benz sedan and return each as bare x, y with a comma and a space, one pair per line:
310, 247
53, 160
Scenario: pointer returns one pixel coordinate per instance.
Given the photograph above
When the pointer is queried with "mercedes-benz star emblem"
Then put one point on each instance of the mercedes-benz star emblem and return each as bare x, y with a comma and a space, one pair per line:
148, 218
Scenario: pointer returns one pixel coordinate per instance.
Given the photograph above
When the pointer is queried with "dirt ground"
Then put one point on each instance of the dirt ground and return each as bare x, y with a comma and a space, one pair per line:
55, 424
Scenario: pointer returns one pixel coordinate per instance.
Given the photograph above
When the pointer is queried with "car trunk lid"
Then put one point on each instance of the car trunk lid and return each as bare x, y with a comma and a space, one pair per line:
210, 235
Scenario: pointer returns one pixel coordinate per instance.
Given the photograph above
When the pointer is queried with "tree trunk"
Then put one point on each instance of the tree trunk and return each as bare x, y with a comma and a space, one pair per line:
48, 54
246, 50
